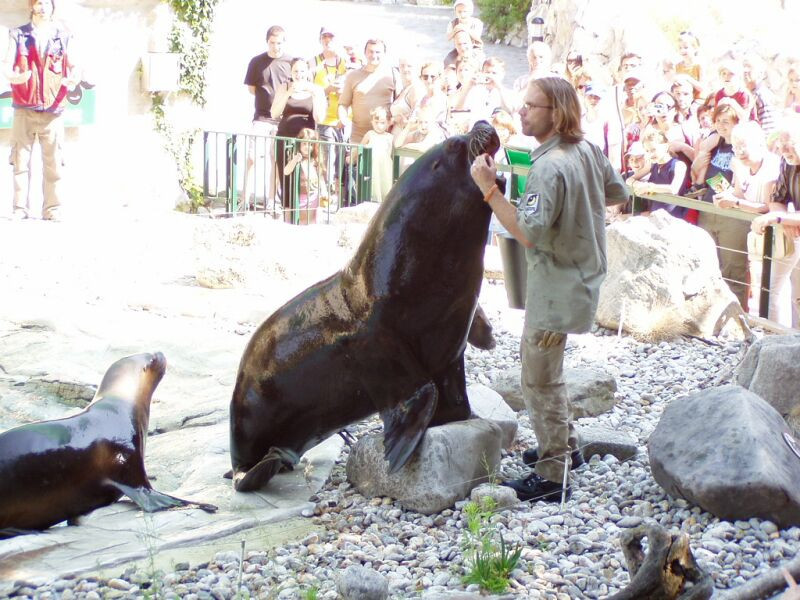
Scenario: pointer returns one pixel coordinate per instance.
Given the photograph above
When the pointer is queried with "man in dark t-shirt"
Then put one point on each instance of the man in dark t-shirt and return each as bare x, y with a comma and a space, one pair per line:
265, 73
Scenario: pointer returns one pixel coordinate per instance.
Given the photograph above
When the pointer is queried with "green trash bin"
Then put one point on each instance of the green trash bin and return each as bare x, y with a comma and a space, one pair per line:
515, 270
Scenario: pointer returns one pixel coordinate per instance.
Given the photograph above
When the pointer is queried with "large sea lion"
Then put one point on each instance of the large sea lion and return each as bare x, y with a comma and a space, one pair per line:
54, 471
385, 334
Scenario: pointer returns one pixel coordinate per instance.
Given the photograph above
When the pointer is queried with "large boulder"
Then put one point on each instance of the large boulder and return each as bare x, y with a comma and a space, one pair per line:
771, 369
664, 280
723, 449
591, 390
450, 460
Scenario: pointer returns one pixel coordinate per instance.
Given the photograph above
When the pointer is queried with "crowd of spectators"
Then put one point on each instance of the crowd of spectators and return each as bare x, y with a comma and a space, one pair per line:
714, 128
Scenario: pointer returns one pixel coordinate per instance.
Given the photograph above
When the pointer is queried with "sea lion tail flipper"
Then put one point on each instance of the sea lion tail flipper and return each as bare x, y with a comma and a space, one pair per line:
150, 500
405, 424
274, 461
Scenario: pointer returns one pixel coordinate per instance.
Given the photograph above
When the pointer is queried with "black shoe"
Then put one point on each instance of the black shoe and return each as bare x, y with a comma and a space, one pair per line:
531, 456
534, 487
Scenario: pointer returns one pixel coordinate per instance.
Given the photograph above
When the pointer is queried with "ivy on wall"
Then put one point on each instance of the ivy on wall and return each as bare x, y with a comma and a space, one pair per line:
189, 38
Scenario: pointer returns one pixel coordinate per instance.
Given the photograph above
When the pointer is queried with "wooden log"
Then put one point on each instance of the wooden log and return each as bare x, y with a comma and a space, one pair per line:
667, 572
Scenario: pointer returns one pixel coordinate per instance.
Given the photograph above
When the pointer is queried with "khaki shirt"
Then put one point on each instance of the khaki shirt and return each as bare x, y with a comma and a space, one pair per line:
563, 215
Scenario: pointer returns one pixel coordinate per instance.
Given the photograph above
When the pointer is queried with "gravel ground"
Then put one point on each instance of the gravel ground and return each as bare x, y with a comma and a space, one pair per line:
570, 554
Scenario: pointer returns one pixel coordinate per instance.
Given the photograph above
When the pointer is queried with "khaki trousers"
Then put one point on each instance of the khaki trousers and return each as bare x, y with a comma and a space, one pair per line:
730, 236
49, 128
547, 402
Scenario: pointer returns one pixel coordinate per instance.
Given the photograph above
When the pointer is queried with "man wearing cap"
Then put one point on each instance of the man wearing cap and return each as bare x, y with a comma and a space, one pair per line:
38, 66
266, 72
625, 102
329, 71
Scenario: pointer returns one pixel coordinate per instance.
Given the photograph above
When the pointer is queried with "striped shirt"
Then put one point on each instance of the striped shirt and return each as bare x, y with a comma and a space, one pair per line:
787, 188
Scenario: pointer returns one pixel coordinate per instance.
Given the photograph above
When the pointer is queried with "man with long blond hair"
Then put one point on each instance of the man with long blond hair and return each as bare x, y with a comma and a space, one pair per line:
560, 221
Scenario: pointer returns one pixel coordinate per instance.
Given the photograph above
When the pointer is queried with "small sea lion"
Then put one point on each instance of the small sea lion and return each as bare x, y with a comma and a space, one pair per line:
54, 471
387, 333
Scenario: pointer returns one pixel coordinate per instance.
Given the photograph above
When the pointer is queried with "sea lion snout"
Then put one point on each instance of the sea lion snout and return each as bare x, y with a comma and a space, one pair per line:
157, 363
483, 139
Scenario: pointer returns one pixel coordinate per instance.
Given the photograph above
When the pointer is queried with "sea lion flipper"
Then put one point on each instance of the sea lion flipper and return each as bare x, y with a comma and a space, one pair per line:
274, 461
150, 500
405, 424
480, 331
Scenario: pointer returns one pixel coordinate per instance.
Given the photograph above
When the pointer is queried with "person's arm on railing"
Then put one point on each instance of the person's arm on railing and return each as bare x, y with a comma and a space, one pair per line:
734, 197
290, 165
673, 187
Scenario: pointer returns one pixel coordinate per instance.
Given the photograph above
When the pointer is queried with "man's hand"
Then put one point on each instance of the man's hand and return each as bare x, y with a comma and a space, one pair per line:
551, 339
484, 172
16, 77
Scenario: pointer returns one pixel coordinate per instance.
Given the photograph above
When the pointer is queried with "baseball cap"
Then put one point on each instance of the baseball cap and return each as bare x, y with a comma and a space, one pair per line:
594, 90
325, 31
633, 75
464, 2
635, 149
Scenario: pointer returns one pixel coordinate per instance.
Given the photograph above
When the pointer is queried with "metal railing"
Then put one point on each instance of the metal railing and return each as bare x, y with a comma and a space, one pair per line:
730, 213
517, 175
248, 172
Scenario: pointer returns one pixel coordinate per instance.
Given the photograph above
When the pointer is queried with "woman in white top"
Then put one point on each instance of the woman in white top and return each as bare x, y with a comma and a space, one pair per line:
755, 171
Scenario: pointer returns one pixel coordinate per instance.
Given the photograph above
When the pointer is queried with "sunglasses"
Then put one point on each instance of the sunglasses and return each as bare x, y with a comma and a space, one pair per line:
428, 77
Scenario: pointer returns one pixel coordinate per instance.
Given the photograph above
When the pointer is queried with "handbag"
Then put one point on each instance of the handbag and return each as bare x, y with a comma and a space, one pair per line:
782, 244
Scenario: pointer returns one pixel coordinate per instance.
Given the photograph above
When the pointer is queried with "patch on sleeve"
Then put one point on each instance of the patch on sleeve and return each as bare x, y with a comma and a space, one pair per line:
531, 204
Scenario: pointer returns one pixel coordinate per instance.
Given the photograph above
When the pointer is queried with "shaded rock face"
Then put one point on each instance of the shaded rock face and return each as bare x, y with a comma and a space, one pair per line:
590, 390
488, 404
723, 449
450, 461
603, 441
771, 369
664, 280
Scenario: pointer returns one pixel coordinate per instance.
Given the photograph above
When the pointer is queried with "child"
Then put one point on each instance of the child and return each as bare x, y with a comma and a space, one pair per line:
464, 10
667, 174
730, 74
380, 141
688, 65
307, 164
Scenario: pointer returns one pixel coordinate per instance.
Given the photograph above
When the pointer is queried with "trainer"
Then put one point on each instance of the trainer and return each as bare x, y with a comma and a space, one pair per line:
560, 221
